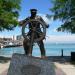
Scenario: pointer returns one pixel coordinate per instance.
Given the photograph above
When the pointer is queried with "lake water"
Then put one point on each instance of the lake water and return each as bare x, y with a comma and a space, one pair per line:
52, 49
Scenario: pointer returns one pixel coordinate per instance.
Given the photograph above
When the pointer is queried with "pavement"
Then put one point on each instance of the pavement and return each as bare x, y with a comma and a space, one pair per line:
67, 68
4, 68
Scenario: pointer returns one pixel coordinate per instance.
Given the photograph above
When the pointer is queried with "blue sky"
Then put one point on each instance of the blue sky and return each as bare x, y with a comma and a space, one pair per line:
43, 7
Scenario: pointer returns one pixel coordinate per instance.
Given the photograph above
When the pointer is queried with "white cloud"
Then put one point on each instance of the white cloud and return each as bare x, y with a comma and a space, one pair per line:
5, 36
20, 19
61, 38
48, 21
1, 36
54, 30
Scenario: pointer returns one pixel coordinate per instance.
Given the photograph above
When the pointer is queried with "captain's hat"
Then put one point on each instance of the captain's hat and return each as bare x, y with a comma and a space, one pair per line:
33, 10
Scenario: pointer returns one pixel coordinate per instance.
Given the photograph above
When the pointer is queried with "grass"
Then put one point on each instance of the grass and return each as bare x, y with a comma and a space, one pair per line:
4, 59
73, 62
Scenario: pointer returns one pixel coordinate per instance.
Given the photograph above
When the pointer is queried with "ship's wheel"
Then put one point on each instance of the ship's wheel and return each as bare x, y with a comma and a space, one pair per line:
25, 30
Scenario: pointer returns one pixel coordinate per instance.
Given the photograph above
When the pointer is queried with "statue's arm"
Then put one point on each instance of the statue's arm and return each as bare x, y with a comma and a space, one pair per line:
47, 25
23, 21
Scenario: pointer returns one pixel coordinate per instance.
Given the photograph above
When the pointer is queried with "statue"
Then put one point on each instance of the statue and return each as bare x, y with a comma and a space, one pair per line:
33, 31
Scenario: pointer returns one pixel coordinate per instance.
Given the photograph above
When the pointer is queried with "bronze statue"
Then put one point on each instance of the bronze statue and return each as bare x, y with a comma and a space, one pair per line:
35, 34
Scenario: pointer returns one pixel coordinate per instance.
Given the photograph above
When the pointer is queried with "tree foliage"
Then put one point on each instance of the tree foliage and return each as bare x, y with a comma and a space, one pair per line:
65, 11
9, 14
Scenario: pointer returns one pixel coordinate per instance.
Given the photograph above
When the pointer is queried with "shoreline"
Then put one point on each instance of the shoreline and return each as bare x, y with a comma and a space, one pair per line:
4, 58
9, 46
52, 58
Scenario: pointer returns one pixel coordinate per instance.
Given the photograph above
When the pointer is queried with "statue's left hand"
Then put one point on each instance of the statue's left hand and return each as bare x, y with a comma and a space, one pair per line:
47, 26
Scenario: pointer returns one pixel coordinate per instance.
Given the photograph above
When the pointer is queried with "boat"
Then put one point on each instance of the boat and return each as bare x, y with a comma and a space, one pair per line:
1, 46
8, 46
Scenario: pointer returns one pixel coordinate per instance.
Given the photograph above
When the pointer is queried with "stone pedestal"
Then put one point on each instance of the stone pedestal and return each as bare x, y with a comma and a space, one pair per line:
24, 65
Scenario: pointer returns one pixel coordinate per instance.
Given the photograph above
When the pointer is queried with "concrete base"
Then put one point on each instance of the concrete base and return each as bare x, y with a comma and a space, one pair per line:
25, 65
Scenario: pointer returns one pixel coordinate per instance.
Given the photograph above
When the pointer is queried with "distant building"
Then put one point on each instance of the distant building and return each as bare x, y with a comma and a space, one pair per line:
19, 37
7, 39
1, 40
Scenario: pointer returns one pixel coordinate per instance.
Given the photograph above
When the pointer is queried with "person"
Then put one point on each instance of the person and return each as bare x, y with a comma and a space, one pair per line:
38, 29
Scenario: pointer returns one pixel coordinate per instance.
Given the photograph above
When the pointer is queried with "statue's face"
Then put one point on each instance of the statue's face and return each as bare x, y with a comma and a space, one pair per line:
33, 14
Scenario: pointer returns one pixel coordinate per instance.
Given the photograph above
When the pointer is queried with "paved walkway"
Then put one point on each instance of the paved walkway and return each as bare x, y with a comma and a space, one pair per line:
4, 68
67, 68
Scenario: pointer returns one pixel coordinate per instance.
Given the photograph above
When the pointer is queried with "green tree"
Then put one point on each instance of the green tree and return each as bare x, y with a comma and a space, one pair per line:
9, 12
65, 11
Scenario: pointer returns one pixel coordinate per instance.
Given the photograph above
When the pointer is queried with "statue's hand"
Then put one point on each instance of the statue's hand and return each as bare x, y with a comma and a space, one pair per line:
47, 26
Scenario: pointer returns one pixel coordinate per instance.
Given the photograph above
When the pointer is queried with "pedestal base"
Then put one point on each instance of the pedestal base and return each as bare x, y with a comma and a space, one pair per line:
25, 65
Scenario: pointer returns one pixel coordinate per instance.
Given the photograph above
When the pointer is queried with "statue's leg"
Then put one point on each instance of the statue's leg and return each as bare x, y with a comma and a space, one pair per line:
42, 49
31, 44
30, 49
26, 47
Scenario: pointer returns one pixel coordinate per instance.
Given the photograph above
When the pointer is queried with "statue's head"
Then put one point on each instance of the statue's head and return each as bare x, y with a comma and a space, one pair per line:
33, 12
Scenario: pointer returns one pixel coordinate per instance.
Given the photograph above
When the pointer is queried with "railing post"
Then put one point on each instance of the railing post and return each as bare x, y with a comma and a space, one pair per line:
62, 53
